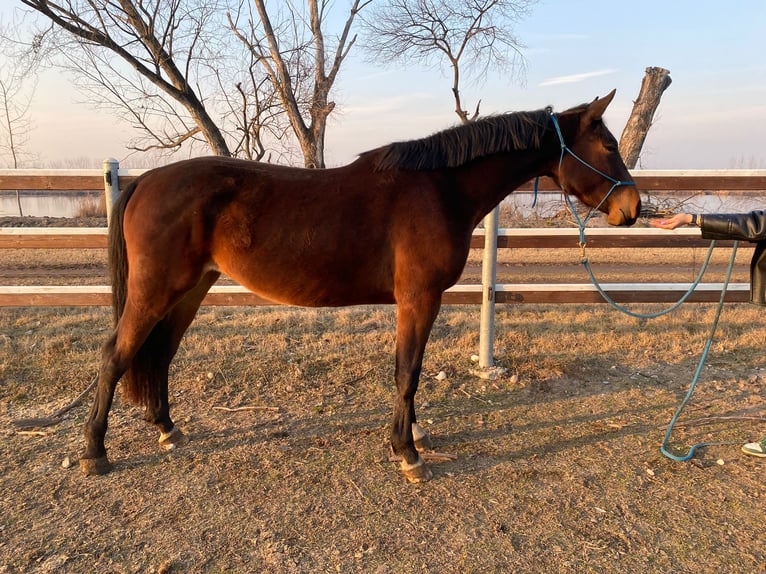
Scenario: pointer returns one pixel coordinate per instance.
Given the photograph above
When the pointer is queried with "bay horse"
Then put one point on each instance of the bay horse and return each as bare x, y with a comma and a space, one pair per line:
392, 227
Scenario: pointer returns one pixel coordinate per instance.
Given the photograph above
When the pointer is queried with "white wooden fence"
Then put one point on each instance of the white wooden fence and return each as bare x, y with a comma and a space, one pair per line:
112, 179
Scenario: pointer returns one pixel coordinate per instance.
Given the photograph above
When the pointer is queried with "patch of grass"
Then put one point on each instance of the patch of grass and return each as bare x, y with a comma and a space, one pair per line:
557, 472
92, 207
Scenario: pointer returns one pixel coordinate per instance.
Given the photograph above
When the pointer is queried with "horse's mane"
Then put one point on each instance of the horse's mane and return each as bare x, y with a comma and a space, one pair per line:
459, 145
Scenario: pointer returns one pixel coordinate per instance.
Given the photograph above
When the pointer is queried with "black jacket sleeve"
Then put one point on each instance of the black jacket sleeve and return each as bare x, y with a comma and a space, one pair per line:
743, 227
739, 226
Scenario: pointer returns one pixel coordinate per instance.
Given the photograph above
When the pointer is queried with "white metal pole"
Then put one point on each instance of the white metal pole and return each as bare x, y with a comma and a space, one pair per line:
111, 184
488, 280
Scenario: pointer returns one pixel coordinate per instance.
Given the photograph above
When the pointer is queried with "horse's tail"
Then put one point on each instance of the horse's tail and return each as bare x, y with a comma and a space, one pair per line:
118, 254
141, 381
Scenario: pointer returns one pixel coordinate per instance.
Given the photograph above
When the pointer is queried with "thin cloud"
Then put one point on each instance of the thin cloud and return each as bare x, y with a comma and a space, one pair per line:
387, 105
574, 78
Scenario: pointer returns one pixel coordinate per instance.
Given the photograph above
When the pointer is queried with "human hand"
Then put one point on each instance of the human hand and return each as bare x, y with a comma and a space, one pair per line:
672, 222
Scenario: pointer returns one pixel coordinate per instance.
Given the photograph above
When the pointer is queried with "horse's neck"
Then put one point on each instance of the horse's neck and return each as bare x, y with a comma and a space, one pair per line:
487, 181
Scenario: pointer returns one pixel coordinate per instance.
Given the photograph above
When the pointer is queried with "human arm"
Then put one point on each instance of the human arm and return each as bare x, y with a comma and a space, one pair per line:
673, 221
740, 226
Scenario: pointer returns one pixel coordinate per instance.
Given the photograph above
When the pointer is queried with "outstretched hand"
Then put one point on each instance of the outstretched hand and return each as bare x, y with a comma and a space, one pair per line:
672, 222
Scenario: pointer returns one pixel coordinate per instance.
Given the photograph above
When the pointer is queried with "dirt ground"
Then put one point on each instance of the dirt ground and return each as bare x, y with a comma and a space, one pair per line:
53, 221
558, 464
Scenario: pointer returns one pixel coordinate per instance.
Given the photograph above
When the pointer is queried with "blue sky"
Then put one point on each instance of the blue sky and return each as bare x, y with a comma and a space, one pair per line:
713, 116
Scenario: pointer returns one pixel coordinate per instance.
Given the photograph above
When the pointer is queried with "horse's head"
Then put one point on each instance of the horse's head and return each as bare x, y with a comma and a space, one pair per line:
590, 166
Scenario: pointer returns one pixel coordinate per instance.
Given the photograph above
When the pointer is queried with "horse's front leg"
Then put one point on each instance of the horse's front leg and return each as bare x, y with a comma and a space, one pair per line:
414, 322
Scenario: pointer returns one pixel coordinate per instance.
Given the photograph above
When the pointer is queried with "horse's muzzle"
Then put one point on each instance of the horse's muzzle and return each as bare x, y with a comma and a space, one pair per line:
621, 216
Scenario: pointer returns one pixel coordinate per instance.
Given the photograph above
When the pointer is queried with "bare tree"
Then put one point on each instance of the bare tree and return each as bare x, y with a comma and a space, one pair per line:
150, 59
474, 36
166, 66
18, 82
15, 121
15, 99
295, 54
655, 82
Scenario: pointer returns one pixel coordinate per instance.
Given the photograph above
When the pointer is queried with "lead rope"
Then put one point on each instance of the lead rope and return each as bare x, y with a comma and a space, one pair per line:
708, 343
656, 314
703, 358
581, 224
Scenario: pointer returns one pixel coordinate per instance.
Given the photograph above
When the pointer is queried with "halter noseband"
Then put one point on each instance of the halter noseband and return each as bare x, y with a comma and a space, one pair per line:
567, 150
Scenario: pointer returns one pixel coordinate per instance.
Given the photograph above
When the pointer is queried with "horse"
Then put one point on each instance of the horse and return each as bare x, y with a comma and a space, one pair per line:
392, 227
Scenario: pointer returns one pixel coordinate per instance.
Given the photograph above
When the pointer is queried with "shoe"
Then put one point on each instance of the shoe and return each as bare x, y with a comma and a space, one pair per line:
756, 448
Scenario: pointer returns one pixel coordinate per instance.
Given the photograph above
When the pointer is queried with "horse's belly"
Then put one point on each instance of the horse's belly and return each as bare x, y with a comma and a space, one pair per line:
321, 297
329, 289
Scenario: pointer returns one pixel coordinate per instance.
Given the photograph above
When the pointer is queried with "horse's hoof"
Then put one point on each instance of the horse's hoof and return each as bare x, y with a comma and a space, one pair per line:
95, 466
418, 472
424, 444
173, 439
421, 438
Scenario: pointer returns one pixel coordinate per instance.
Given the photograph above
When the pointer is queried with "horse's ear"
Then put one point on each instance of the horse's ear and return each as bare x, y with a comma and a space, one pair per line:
598, 106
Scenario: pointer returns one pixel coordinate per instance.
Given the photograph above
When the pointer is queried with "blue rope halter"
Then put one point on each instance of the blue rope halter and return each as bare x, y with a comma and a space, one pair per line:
565, 149
581, 223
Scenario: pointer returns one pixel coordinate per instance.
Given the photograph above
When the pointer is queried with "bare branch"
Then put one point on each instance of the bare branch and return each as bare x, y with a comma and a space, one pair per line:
472, 35
170, 141
157, 39
293, 53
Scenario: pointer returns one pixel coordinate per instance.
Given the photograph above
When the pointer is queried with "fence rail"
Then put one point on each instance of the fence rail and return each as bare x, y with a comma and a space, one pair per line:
646, 180
511, 293
731, 181
525, 238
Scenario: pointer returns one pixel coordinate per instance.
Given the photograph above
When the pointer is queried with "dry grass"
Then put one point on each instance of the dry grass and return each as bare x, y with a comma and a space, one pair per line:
559, 472
92, 207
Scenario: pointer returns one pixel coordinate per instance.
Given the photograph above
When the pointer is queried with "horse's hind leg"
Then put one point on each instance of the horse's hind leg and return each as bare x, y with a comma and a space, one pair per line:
414, 322
94, 460
145, 342
116, 356
157, 370
171, 330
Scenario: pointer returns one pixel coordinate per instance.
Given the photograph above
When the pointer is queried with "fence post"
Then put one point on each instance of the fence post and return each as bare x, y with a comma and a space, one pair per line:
488, 280
111, 184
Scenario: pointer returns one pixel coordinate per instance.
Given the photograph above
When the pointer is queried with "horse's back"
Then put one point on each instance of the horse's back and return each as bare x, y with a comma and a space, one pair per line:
307, 237
330, 237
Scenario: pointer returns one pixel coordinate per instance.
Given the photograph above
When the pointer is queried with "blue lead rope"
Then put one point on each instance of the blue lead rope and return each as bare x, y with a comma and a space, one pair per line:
703, 358
660, 313
581, 224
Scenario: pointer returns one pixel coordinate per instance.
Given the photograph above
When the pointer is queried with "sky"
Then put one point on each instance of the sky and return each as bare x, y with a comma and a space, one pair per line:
713, 116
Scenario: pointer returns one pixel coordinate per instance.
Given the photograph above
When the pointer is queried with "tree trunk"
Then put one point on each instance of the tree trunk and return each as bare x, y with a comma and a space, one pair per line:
210, 131
655, 82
